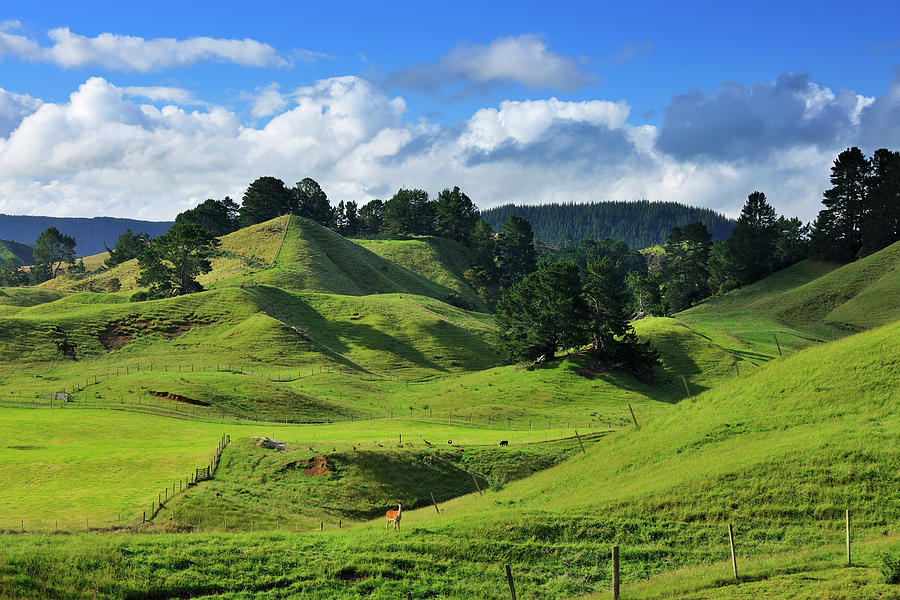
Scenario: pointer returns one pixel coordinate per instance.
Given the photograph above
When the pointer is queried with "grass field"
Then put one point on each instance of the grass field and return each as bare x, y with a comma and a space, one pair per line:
66, 466
779, 453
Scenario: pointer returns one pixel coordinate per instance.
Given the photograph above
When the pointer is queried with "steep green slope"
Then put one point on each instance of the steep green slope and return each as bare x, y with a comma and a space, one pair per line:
800, 306
827, 296
772, 286
437, 259
246, 351
314, 258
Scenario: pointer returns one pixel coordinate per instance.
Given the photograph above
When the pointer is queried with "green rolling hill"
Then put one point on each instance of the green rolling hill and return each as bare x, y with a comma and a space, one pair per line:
774, 409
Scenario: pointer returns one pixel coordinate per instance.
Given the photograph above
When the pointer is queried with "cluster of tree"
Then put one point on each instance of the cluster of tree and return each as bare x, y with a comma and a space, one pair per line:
171, 262
862, 208
639, 224
52, 250
560, 306
694, 266
408, 212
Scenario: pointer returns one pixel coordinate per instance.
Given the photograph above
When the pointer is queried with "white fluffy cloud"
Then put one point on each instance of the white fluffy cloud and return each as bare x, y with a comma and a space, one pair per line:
523, 59
132, 53
14, 108
103, 152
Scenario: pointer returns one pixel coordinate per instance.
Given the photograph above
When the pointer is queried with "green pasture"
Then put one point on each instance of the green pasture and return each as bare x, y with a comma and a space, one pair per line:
68, 465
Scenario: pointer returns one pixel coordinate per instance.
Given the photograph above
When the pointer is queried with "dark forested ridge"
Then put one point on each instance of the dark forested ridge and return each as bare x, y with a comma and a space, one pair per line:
90, 234
639, 224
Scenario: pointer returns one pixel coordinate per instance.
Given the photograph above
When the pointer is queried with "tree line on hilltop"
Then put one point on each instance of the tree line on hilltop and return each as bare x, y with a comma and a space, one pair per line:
639, 224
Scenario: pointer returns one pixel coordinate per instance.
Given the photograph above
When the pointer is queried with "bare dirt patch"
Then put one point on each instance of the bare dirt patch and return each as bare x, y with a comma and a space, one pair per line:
315, 466
179, 398
116, 335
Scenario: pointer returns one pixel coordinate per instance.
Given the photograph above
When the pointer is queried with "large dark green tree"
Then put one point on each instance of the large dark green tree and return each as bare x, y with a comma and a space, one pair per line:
265, 198
542, 313
129, 245
721, 268
880, 225
455, 215
408, 212
791, 242
752, 243
612, 337
311, 202
51, 250
482, 275
685, 272
216, 216
837, 233
173, 261
370, 217
516, 255
346, 218
11, 273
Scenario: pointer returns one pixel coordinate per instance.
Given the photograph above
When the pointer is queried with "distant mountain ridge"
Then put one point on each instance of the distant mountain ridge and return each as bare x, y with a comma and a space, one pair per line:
89, 233
639, 224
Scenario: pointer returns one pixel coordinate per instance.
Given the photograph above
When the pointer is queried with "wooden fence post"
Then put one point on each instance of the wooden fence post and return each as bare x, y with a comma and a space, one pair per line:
847, 516
632, 415
774, 335
737, 370
509, 579
687, 390
435, 503
579, 441
615, 572
477, 487
733, 556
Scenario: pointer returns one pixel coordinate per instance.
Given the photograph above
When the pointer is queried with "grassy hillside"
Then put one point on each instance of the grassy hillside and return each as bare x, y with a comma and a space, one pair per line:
299, 255
861, 294
439, 260
780, 454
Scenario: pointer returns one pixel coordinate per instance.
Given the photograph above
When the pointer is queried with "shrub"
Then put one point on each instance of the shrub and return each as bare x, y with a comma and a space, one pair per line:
890, 567
728, 285
496, 481
139, 296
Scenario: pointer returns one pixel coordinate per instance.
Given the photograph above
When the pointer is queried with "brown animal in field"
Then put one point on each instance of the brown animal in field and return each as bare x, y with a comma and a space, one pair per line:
393, 516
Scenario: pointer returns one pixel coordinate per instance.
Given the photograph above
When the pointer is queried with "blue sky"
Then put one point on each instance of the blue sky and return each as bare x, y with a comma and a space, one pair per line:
149, 109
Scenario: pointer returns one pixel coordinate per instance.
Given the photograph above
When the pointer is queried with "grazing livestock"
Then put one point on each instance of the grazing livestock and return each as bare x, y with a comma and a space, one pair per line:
393, 516
504, 442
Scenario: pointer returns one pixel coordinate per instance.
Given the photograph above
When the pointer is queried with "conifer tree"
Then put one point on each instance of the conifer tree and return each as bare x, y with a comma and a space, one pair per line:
881, 215
516, 256
752, 243
838, 227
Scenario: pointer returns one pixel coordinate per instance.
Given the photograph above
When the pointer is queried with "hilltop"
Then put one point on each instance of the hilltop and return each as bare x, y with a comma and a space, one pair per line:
297, 254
